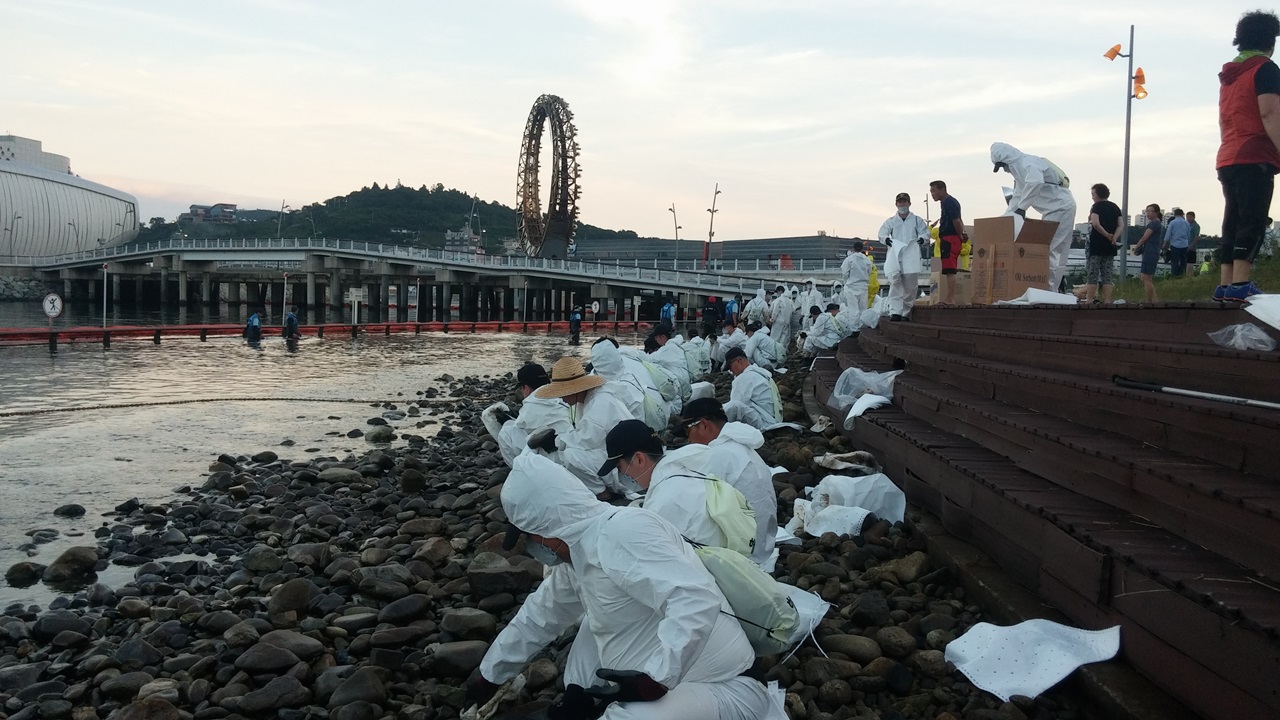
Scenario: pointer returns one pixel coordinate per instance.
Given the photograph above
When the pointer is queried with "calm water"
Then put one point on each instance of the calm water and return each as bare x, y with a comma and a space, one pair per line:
100, 458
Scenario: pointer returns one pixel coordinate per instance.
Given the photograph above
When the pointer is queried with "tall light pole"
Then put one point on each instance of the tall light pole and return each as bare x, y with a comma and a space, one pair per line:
711, 229
75, 227
280, 220
675, 220
1133, 89
104, 296
13, 225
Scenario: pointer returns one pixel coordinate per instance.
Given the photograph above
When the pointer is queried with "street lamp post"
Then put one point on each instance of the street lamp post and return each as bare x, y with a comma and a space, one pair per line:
675, 220
1133, 89
75, 227
711, 228
104, 296
13, 225
280, 219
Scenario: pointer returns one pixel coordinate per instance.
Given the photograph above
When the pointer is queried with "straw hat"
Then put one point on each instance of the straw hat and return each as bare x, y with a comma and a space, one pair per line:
568, 377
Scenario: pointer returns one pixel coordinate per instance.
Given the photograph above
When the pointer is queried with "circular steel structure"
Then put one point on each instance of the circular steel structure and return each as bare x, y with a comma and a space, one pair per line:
549, 234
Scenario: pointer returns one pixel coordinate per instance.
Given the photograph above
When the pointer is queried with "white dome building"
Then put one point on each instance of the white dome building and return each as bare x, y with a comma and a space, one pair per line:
46, 210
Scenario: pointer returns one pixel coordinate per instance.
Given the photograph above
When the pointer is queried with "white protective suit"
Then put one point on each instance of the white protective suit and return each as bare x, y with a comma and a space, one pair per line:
762, 350
1039, 184
825, 334
643, 400
697, 357
780, 320
756, 308
640, 596
535, 414
736, 461
754, 399
582, 447
811, 296
725, 343
678, 493
856, 273
671, 358
797, 314
902, 263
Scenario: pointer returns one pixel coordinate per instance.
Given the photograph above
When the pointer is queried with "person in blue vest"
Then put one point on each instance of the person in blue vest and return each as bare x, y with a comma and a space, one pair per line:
731, 308
291, 330
575, 321
668, 312
253, 328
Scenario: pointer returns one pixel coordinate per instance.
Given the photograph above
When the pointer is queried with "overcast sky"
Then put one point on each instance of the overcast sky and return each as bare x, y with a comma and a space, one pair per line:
811, 115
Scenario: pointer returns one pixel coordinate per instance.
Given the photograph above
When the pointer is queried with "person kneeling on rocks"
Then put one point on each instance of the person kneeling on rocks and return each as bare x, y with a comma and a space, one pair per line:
536, 414
682, 487
654, 635
753, 399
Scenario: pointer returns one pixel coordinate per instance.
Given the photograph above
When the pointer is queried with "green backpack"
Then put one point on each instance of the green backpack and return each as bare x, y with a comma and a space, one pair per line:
730, 512
761, 605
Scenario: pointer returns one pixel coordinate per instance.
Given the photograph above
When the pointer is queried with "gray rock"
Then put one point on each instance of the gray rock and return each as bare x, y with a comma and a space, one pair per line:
261, 558
163, 688
469, 623
422, 526
356, 622
932, 663
871, 609
364, 685
137, 653
265, 657
132, 608
342, 476
70, 511
380, 434
281, 692
126, 686
857, 648
24, 574
458, 659
309, 554
304, 647
53, 622
896, 642
16, 677
406, 609
242, 634
152, 708
293, 595
494, 580
542, 673
908, 569
74, 564
360, 710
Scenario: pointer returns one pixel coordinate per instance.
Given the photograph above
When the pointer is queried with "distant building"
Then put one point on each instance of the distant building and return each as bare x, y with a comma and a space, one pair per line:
216, 213
463, 241
45, 209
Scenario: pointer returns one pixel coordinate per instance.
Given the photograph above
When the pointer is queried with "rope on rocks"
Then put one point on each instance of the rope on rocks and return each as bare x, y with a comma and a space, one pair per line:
156, 403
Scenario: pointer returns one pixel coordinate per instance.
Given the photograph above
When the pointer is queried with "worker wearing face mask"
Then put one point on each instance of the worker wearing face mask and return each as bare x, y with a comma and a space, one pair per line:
512, 433
655, 637
592, 412
904, 235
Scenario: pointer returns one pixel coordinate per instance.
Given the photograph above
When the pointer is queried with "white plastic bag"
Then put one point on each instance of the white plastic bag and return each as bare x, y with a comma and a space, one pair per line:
865, 403
1245, 336
855, 382
836, 519
1266, 308
874, 493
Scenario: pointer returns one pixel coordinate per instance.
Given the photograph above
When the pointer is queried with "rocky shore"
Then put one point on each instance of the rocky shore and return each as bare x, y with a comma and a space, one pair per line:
24, 288
370, 586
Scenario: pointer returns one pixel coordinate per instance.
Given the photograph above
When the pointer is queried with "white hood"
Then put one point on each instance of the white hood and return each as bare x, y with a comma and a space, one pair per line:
1005, 153
607, 361
541, 497
742, 434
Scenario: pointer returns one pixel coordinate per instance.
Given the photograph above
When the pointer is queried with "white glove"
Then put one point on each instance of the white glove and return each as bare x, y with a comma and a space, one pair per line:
492, 417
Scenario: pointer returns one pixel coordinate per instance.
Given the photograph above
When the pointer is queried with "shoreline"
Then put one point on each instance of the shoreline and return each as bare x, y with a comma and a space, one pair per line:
370, 585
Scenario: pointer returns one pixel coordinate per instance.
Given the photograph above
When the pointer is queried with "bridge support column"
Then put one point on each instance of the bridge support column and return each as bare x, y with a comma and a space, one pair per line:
253, 295
311, 290
206, 289
233, 293
384, 297
137, 290
446, 301
164, 287
182, 287
335, 290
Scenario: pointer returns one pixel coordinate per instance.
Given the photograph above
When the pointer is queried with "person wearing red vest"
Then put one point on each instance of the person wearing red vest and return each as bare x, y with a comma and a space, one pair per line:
1249, 158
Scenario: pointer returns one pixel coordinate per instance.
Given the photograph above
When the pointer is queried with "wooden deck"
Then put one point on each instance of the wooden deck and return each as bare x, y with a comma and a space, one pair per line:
1156, 512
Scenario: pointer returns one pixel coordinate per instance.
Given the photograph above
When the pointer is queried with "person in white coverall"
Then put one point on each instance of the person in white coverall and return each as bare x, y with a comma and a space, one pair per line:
810, 296
733, 446
826, 332
654, 630
536, 413
675, 483
630, 388
760, 348
753, 398
780, 318
797, 312
1039, 184
904, 234
670, 355
856, 273
591, 412
730, 337
756, 308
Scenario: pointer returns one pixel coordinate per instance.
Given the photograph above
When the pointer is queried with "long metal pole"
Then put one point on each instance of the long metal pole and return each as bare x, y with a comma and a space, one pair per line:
104, 296
711, 228
675, 220
1124, 191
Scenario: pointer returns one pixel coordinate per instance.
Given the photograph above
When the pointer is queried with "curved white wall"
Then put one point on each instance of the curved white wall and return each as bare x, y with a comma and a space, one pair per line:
60, 213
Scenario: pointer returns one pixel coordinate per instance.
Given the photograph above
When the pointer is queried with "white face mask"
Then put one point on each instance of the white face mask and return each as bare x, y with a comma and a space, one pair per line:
542, 554
903, 210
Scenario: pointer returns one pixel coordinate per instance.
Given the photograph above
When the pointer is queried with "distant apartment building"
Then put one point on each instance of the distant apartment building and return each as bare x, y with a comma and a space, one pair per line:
216, 213
463, 241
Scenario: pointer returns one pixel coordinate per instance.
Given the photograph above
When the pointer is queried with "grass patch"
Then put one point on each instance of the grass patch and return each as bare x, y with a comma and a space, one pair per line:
1266, 274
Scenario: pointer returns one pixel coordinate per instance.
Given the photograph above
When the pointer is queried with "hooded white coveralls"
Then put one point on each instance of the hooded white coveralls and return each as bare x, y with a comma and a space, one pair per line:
797, 314
678, 493
902, 263
754, 400
780, 319
756, 308
582, 447
761, 349
641, 597
671, 358
1039, 184
725, 343
628, 387
856, 273
824, 335
735, 460
535, 414
811, 296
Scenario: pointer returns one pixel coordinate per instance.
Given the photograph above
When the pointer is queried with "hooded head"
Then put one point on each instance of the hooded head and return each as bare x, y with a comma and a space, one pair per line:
795, 292
760, 294
542, 498
606, 359
810, 284
1002, 154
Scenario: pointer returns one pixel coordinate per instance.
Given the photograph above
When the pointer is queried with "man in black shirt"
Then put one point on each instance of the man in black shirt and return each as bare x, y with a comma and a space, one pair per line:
951, 236
1104, 237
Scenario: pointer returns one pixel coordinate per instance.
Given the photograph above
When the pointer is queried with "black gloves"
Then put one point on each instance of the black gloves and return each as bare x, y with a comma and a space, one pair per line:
631, 686
502, 416
478, 690
922, 241
543, 440
575, 704
888, 242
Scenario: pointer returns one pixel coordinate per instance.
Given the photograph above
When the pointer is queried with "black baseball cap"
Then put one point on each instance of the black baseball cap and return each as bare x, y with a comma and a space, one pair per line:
533, 375
661, 330
627, 437
833, 306
703, 409
734, 354
902, 197
754, 325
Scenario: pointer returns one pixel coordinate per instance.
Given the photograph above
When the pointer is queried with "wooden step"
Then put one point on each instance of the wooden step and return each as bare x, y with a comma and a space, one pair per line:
1235, 437
1204, 368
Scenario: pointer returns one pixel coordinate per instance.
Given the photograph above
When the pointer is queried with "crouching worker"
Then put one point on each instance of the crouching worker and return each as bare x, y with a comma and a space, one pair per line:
652, 639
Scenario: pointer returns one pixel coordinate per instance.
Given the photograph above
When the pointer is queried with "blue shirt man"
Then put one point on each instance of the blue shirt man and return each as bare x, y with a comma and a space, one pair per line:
669, 312
1178, 234
731, 308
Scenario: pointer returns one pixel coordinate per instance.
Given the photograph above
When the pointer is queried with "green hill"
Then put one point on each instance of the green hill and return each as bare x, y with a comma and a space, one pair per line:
396, 215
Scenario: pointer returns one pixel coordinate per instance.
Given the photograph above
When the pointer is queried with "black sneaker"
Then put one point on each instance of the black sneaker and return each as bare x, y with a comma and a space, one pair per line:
895, 318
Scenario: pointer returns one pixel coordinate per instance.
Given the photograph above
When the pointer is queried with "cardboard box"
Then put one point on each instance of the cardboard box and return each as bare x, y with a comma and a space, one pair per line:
1004, 267
964, 289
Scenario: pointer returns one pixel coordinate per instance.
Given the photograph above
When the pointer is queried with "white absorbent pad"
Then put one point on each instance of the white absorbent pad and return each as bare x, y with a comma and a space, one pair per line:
1266, 308
1028, 658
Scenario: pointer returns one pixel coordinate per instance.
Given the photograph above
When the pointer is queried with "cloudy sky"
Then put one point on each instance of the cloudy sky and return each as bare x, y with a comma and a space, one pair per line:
810, 114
